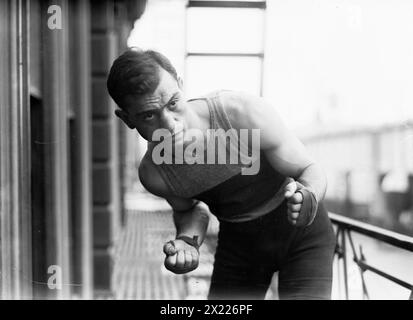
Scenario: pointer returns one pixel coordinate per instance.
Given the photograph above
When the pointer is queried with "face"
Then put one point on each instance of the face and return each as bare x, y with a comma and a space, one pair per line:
165, 108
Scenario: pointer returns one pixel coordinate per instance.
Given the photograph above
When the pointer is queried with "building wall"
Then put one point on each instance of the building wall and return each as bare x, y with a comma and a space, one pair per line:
370, 173
106, 206
366, 153
61, 154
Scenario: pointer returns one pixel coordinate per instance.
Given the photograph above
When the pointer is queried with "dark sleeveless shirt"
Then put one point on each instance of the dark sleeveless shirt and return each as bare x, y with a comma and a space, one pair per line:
230, 195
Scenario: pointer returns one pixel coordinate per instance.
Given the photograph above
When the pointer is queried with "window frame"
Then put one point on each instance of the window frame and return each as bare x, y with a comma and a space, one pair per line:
235, 5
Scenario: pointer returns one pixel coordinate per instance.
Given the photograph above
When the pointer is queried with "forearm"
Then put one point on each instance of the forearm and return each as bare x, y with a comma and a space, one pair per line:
314, 178
193, 222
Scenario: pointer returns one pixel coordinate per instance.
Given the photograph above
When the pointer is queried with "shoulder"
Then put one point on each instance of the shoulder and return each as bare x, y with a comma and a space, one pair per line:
150, 177
245, 110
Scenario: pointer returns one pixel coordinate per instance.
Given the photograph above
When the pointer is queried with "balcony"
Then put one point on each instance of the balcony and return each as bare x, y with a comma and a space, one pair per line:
361, 268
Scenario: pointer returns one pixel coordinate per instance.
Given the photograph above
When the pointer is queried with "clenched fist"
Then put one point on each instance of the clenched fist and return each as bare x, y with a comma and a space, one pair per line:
181, 257
301, 202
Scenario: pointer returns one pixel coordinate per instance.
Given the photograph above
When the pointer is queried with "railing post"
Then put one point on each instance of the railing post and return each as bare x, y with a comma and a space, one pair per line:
344, 252
357, 261
338, 253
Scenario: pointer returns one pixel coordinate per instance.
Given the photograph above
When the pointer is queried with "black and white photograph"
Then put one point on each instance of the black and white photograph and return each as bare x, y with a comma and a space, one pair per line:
221, 151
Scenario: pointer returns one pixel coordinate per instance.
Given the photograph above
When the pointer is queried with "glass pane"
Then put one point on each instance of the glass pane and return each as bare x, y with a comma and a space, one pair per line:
225, 30
205, 74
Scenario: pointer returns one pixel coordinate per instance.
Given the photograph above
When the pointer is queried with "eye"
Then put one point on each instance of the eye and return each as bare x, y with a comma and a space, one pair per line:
148, 116
173, 104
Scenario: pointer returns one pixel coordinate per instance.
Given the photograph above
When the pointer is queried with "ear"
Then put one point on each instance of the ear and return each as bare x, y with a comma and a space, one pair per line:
124, 117
180, 83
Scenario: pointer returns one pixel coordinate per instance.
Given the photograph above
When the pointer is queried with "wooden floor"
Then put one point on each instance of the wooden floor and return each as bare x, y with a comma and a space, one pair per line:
139, 273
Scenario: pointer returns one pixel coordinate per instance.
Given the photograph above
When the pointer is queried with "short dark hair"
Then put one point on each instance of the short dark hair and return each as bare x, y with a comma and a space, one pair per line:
137, 72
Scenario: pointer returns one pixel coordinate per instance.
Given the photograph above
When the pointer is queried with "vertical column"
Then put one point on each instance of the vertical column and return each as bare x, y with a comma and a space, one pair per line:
106, 195
51, 239
15, 224
81, 149
122, 26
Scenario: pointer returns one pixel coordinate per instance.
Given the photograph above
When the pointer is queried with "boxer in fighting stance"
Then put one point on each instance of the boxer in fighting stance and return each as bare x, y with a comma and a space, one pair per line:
270, 221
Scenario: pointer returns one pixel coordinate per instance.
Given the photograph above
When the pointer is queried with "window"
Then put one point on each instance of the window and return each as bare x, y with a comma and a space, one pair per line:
224, 46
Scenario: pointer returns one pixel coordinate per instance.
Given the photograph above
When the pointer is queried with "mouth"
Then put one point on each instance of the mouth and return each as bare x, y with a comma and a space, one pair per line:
178, 137
176, 133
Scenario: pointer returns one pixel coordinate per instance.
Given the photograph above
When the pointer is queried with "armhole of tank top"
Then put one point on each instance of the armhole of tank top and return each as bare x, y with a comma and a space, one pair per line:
216, 109
210, 110
221, 109
165, 179
217, 106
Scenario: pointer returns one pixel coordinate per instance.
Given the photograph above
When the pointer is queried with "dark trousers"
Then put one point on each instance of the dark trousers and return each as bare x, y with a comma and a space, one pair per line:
249, 253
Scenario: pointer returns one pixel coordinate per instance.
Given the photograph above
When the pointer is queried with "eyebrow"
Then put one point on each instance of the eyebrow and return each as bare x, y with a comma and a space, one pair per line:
149, 109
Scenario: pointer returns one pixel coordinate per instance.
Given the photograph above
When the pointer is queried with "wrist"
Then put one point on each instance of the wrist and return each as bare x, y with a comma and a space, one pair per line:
310, 188
309, 204
191, 241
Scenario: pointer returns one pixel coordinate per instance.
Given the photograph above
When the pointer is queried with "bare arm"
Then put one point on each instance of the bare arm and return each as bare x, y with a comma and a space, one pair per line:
302, 169
285, 153
190, 218
283, 149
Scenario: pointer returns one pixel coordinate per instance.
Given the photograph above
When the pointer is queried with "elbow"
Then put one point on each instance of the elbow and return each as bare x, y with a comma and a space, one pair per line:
204, 216
203, 211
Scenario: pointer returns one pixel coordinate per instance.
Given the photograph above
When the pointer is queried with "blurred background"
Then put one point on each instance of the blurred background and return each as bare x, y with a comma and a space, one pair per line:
339, 73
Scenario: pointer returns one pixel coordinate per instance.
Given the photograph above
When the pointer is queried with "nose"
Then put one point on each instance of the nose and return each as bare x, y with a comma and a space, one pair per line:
169, 121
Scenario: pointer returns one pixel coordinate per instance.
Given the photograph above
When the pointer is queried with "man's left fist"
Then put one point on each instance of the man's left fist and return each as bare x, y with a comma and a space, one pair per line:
294, 202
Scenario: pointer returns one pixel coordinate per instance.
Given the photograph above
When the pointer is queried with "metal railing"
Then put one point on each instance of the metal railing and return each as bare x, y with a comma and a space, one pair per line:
345, 227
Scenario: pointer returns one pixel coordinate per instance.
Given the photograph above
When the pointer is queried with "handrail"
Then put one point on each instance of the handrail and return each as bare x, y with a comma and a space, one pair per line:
387, 236
344, 227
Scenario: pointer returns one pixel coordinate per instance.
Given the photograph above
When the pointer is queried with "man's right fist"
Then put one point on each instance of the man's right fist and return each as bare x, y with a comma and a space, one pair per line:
181, 257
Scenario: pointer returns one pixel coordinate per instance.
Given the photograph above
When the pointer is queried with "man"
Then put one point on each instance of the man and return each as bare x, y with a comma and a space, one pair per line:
269, 221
